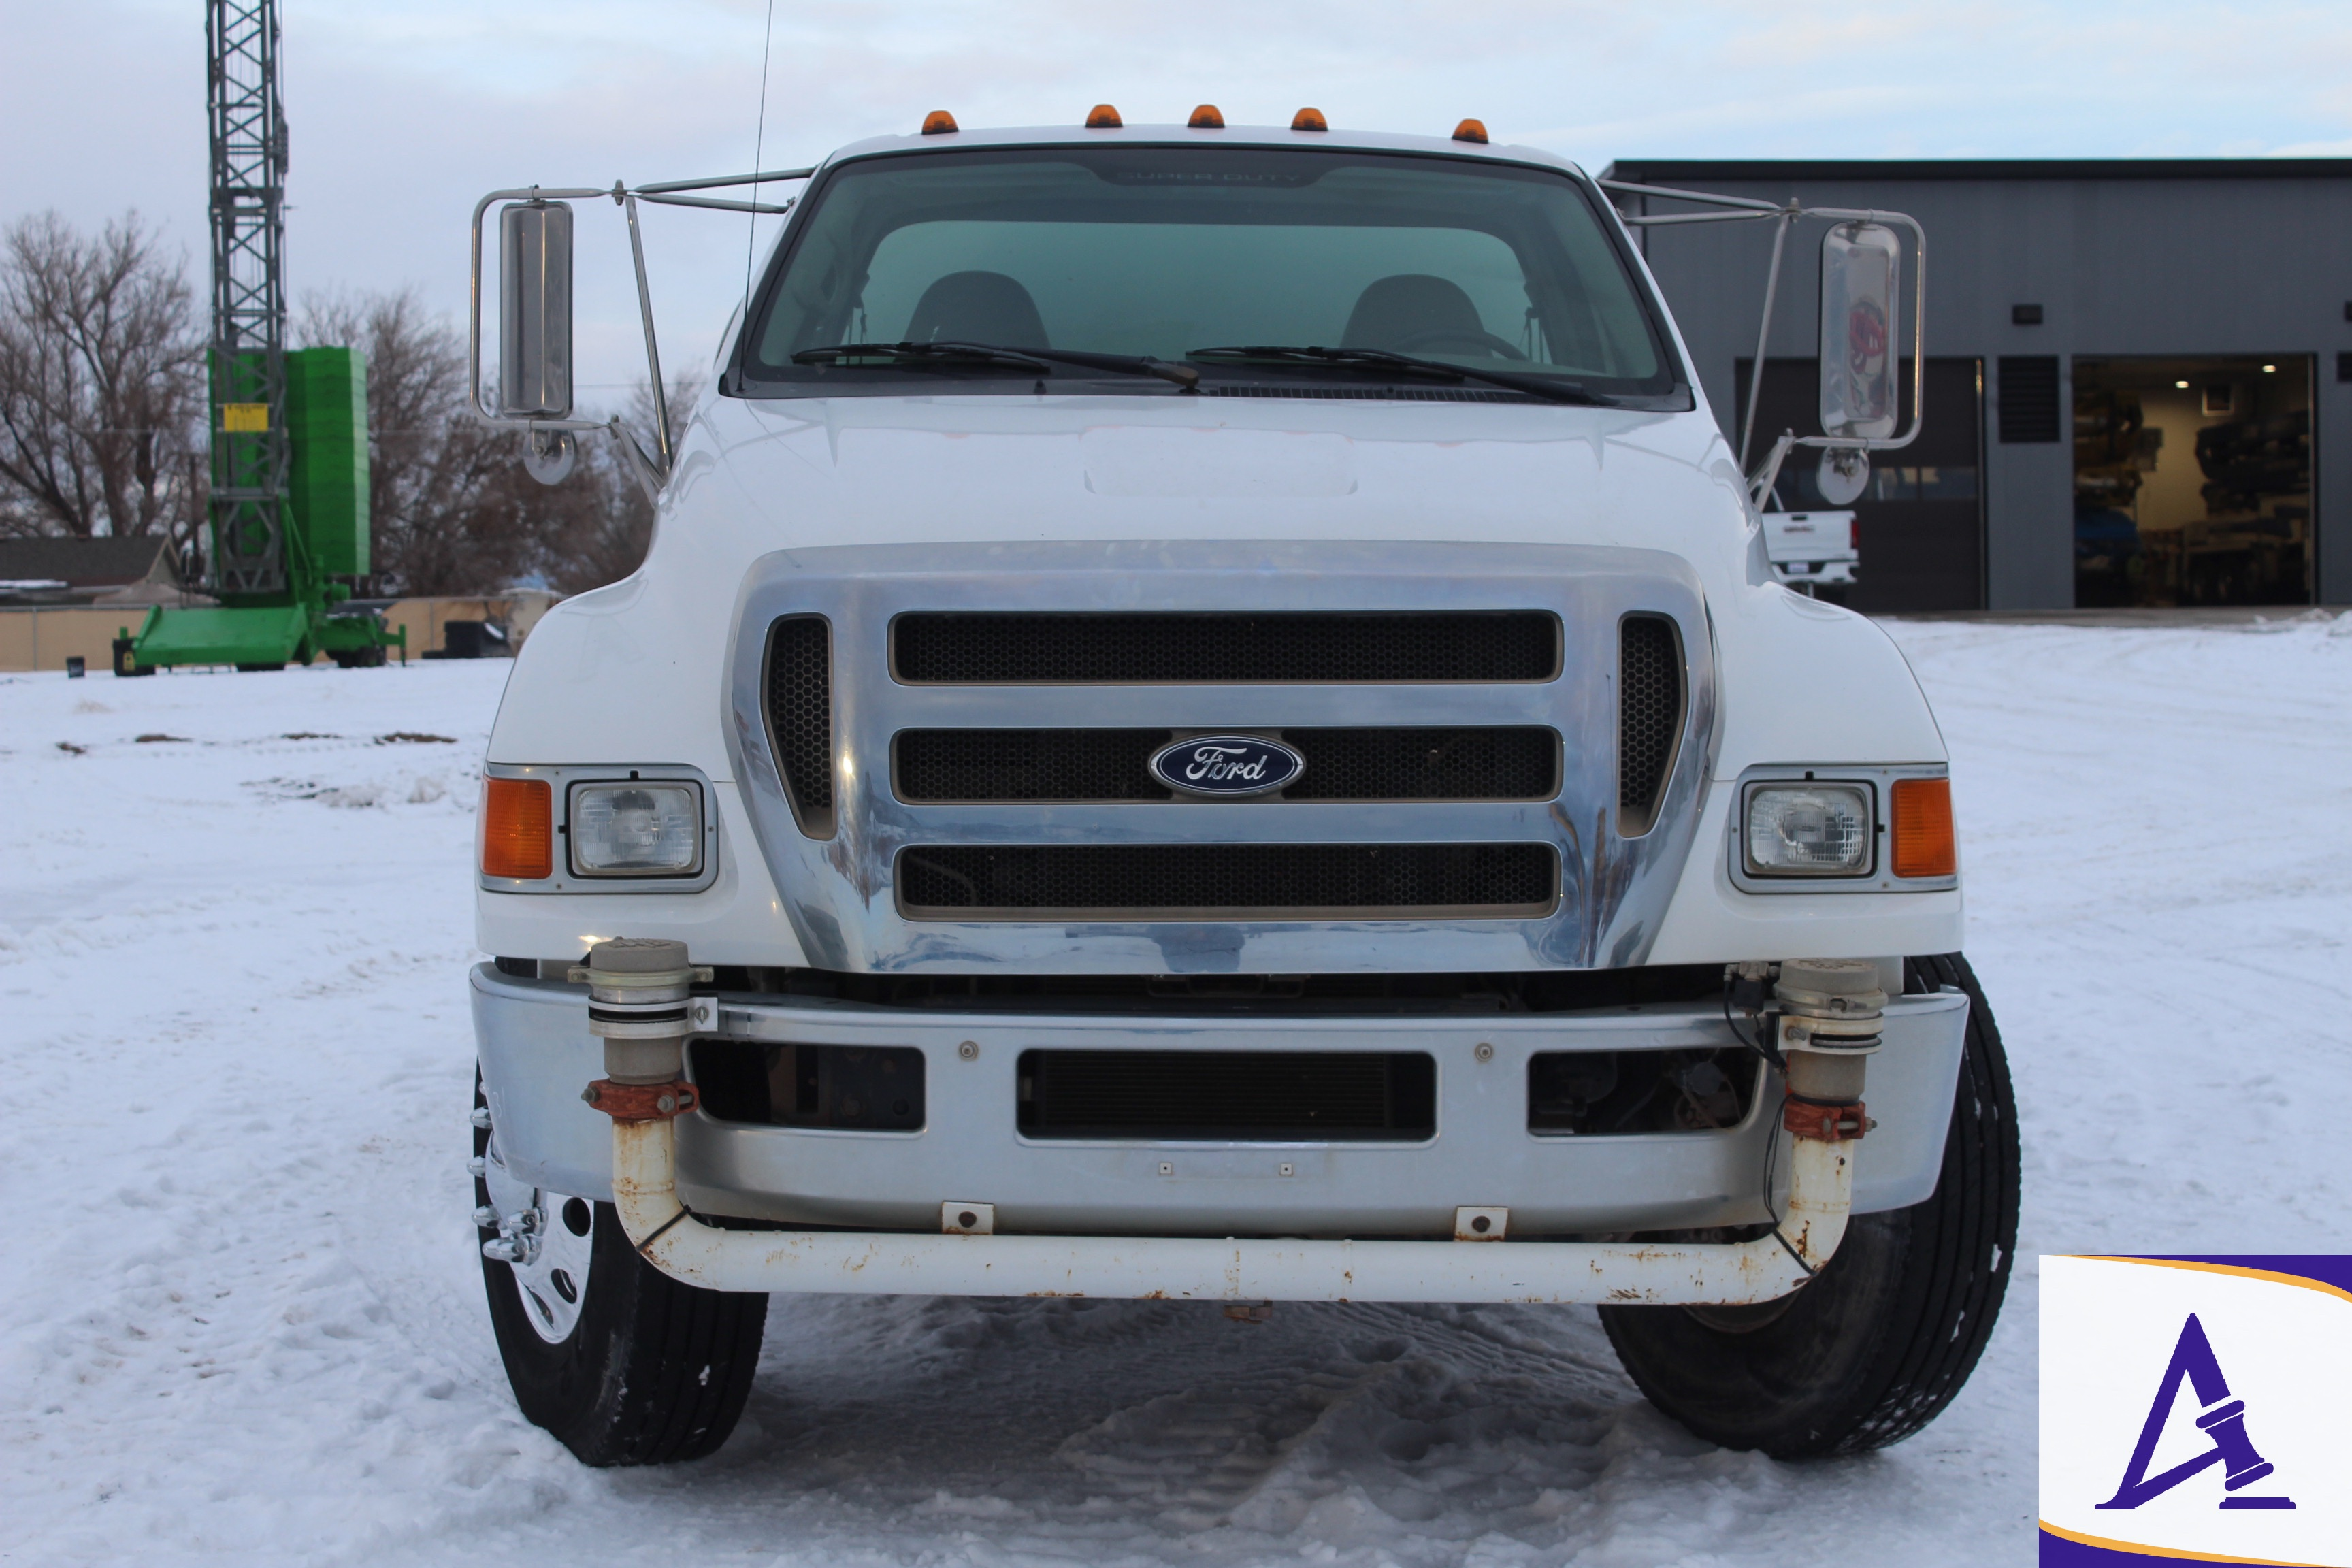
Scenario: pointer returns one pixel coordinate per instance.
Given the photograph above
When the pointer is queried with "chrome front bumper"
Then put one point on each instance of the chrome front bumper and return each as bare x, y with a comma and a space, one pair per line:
537, 1054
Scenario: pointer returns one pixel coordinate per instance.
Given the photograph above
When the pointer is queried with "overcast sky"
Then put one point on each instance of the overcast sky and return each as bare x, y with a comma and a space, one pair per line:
404, 112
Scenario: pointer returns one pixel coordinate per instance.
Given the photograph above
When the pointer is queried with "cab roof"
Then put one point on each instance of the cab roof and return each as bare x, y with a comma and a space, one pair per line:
1080, 135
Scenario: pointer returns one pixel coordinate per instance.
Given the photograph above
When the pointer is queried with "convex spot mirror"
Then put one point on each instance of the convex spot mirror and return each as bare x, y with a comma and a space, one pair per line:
1862, 267
535, 310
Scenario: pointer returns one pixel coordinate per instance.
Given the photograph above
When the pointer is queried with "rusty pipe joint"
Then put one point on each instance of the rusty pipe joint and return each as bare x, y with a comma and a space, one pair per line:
1831, 1014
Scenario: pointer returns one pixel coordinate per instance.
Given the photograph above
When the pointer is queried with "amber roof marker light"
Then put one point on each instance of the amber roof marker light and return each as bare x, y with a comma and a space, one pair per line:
1309, 119
1103, 117
939, 123
1206, 118
1471, 131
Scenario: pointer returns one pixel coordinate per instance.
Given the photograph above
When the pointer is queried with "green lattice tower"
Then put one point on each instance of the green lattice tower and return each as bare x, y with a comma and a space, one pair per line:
289, 465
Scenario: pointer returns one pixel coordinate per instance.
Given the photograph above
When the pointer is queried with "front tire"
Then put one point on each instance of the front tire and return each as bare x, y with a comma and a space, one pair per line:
624, 1364
1872, 1349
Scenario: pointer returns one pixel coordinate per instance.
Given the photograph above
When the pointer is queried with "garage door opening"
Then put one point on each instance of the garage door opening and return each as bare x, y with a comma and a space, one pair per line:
2192, 481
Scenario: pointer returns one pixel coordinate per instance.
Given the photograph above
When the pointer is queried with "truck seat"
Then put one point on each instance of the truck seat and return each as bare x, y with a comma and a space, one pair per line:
978, 308
1392, 312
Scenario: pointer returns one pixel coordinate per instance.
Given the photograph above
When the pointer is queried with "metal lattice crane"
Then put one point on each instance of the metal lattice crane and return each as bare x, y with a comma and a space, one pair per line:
289, 474
251, 451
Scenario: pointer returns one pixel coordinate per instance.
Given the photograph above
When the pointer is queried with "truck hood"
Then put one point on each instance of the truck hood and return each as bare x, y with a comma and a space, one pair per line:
912, 470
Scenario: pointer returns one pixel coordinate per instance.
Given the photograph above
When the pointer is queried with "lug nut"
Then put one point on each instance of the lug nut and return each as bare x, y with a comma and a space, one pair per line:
481, 1118
486, 1217
478, 1167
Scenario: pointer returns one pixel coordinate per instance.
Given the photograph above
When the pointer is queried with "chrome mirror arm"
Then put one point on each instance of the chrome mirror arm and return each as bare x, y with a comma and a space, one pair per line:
1760, 486
653, 349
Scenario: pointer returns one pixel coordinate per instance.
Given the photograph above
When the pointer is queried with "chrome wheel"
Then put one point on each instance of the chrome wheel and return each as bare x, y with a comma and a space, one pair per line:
544, 1238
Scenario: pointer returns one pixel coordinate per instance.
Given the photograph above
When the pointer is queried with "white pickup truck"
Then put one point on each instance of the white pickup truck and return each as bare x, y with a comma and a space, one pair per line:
1208, 718
1811, 550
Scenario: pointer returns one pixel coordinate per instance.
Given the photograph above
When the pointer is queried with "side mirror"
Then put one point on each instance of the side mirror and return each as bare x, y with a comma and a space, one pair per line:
1862, 266
535, 310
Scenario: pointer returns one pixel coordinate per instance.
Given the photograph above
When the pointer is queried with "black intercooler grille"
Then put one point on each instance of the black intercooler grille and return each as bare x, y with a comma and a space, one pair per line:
1001, 648
1649, 715
1250, 1096
1496, 763
800, 715
1215, 881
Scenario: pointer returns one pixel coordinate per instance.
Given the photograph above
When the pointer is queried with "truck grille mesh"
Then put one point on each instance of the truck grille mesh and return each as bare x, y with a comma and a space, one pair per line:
800, 716
1649, 716
1261, 1096
1221, 882
1510, 762
999, 649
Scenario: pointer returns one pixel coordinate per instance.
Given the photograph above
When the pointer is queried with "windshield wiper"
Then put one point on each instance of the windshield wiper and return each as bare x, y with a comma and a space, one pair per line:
1382, 359
1183, 375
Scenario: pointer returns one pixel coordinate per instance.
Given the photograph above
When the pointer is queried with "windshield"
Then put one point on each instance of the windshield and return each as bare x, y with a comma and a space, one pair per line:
1166, 252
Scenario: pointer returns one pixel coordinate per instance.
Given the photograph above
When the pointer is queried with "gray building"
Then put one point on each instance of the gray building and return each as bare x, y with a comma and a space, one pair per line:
2139, 385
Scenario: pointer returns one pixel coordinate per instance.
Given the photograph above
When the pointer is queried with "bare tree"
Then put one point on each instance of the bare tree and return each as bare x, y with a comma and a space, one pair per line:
451, 509
103, 404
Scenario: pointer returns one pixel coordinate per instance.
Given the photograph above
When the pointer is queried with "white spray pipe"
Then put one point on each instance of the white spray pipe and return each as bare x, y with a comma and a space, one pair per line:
645, 1174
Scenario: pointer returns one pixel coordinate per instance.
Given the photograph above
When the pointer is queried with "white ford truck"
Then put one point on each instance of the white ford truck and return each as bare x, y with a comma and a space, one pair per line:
1208, 718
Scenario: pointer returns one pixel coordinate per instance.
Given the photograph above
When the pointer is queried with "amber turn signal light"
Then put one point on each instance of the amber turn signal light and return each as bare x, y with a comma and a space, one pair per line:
1103, 117
1308, 119
518, 829
1206, 118
939, 123
1471, 131
1924, 845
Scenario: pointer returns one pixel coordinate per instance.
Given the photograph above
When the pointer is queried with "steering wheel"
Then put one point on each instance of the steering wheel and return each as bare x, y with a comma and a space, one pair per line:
1439, 338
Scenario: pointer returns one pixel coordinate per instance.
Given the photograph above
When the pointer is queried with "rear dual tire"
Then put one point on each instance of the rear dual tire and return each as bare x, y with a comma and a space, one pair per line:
1874, 1348
623, 1364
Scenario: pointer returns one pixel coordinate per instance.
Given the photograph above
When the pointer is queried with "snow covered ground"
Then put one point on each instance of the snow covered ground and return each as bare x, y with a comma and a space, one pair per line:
240, 1316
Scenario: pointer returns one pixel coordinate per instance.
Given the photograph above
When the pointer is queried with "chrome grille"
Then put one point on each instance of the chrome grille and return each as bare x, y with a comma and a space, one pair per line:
912, 825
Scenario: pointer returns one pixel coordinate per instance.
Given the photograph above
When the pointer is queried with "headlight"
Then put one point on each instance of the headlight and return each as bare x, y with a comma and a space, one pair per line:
636, 829
1808, 830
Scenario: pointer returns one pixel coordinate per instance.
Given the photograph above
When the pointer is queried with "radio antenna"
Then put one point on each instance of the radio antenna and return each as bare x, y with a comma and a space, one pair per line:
759, 146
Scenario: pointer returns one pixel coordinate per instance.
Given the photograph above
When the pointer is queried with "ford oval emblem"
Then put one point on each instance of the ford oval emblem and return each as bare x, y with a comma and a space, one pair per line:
1227, 765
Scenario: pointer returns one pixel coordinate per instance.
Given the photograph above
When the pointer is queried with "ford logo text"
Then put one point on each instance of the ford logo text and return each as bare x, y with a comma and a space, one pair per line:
1226, 766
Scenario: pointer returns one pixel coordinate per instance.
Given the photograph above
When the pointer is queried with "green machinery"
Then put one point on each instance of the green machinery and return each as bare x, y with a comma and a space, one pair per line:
289, 443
